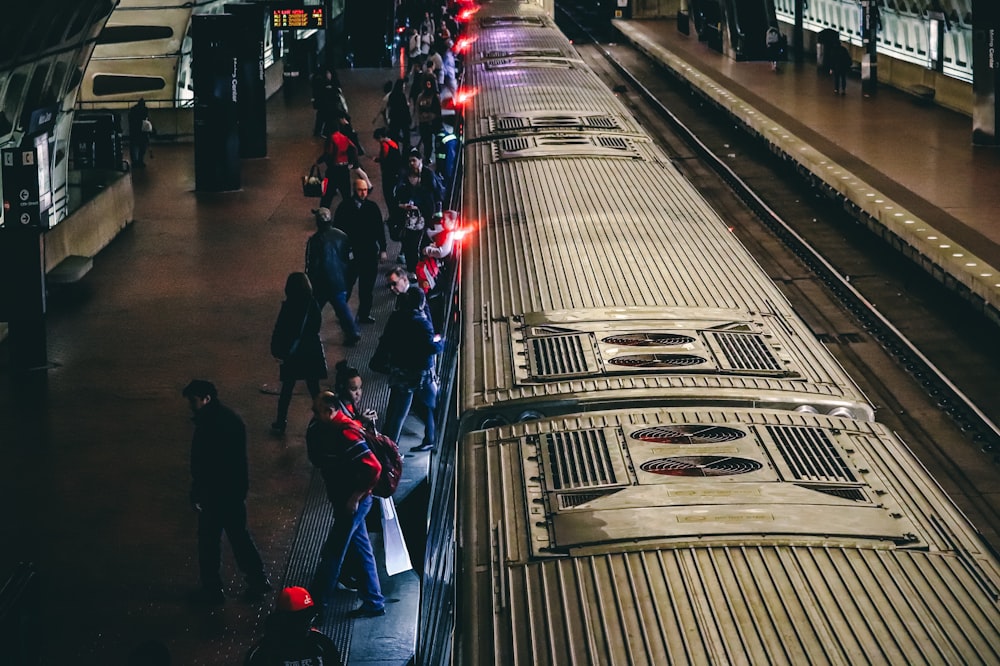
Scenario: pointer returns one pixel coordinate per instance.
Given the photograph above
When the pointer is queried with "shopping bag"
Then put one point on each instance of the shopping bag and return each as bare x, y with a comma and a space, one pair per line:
397, 557
312, 184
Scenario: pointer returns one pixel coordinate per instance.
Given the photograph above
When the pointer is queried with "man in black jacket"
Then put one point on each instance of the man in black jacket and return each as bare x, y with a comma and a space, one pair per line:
219, 483
360, 218
328, 256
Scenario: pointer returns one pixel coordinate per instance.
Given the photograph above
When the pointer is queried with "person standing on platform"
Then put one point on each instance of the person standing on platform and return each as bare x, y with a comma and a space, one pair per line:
428, 112
289, 635
399, 284
418, 195
139, 129
772, 40
219, 481
840, 64
360, 218
328, 257
400, 118
336, 445
390, 162
295, 343
406, 350
340, 155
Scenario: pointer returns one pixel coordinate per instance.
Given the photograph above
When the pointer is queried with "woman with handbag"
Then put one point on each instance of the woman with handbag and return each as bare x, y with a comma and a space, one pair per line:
296, 344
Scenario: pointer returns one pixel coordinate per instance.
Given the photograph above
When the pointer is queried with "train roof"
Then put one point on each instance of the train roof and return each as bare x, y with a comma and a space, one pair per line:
660, 536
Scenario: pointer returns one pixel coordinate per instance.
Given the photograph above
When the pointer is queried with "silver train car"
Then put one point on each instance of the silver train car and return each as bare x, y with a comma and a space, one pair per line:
654, 461
597, 273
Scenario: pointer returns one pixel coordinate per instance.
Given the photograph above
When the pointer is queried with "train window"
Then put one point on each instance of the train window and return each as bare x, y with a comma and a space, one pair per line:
120, 34
115, 84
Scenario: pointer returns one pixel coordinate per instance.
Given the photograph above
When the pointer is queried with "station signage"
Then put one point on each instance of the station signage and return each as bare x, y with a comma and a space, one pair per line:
297, 18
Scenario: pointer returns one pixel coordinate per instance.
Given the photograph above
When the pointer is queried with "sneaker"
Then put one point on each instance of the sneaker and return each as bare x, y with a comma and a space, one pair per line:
366, 320
366, 612
347, 584
422, 447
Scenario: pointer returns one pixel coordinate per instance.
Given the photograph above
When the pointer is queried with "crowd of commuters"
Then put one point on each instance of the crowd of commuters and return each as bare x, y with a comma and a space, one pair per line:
347, 251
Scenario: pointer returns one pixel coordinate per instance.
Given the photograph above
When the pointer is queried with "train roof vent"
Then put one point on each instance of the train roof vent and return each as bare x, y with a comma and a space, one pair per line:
657, 360
564, 145
687, 434
548, 63
746, 352
582, 459
845, 492
557, 356
700, 466
649, 339
571, 500
810, 455
504, 21
523, 53
602, 122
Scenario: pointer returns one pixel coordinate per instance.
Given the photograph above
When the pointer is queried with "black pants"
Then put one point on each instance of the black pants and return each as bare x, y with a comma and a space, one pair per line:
230, 518
285, 397
365, 273
339, 177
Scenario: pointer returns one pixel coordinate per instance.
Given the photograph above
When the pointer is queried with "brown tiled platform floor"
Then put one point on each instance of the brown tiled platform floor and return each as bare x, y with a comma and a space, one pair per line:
95, 476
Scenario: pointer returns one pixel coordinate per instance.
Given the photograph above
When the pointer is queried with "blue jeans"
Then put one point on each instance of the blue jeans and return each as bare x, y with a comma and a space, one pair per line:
344, 315
401, 394
348, 532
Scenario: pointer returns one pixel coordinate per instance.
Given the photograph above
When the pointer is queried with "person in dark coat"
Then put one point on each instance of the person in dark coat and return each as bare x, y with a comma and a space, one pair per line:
328, 256
840, 64
138, 133
417, 196
219, 480
289, 635
400, 118
360, 218
407, 349
295, 343
428, 106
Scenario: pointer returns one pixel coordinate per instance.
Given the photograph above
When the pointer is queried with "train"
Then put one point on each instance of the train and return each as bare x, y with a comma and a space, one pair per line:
650, 458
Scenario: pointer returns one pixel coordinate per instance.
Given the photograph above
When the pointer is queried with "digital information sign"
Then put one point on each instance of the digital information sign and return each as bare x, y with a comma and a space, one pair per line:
298, 18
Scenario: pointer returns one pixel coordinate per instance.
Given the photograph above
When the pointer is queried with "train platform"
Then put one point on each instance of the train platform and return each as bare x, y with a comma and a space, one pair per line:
95, 476
909, 169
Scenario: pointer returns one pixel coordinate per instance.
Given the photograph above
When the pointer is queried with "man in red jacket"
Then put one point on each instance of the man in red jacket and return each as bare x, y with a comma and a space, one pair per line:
336, 445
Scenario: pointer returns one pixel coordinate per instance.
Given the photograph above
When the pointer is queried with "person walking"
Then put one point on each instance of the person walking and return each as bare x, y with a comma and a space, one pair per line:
390, 162
360, 218
406, 350
289, 636
340, 154
772, 41
295, 343
336, 445
428, 113
840, 64
139, 130
327, 263
219, 481
400, 118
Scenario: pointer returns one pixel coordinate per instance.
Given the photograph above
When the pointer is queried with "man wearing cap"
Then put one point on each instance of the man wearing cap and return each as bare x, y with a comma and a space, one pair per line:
328, 257
289, 635
219, 481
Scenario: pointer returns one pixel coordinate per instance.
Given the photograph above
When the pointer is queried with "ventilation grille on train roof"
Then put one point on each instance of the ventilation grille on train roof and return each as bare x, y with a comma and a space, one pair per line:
657, 361
515, 123
580, 459
743, 351
649, 339
700, 466
564, 146
562, 355
549, 63
810, 455
523, 53
501, 21
687, 434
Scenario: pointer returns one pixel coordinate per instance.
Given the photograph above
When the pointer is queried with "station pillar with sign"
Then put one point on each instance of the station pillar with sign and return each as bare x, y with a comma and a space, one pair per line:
871, 23
251, 106
27, 199
215, 58
985, 72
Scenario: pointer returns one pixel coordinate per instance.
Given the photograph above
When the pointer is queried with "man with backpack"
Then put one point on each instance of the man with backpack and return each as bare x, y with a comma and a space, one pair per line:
336, 444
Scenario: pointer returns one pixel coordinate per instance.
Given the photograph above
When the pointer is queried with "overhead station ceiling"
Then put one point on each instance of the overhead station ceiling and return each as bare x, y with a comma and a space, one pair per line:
44, 48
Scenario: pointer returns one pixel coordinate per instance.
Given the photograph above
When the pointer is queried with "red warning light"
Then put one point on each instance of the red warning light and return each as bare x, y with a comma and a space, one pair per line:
463, 96
464, 44
467, 14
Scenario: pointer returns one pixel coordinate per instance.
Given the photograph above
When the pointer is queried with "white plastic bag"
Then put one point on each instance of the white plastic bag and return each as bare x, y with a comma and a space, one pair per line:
397, 557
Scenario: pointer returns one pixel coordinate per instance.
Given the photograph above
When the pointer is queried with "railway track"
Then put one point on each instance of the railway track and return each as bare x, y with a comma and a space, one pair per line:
924, 359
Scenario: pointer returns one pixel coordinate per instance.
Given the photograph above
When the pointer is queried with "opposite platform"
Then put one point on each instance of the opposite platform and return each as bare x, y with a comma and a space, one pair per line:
911, 170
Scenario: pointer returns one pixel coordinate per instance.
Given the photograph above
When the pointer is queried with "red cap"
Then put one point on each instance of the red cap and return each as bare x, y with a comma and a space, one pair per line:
294, 599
